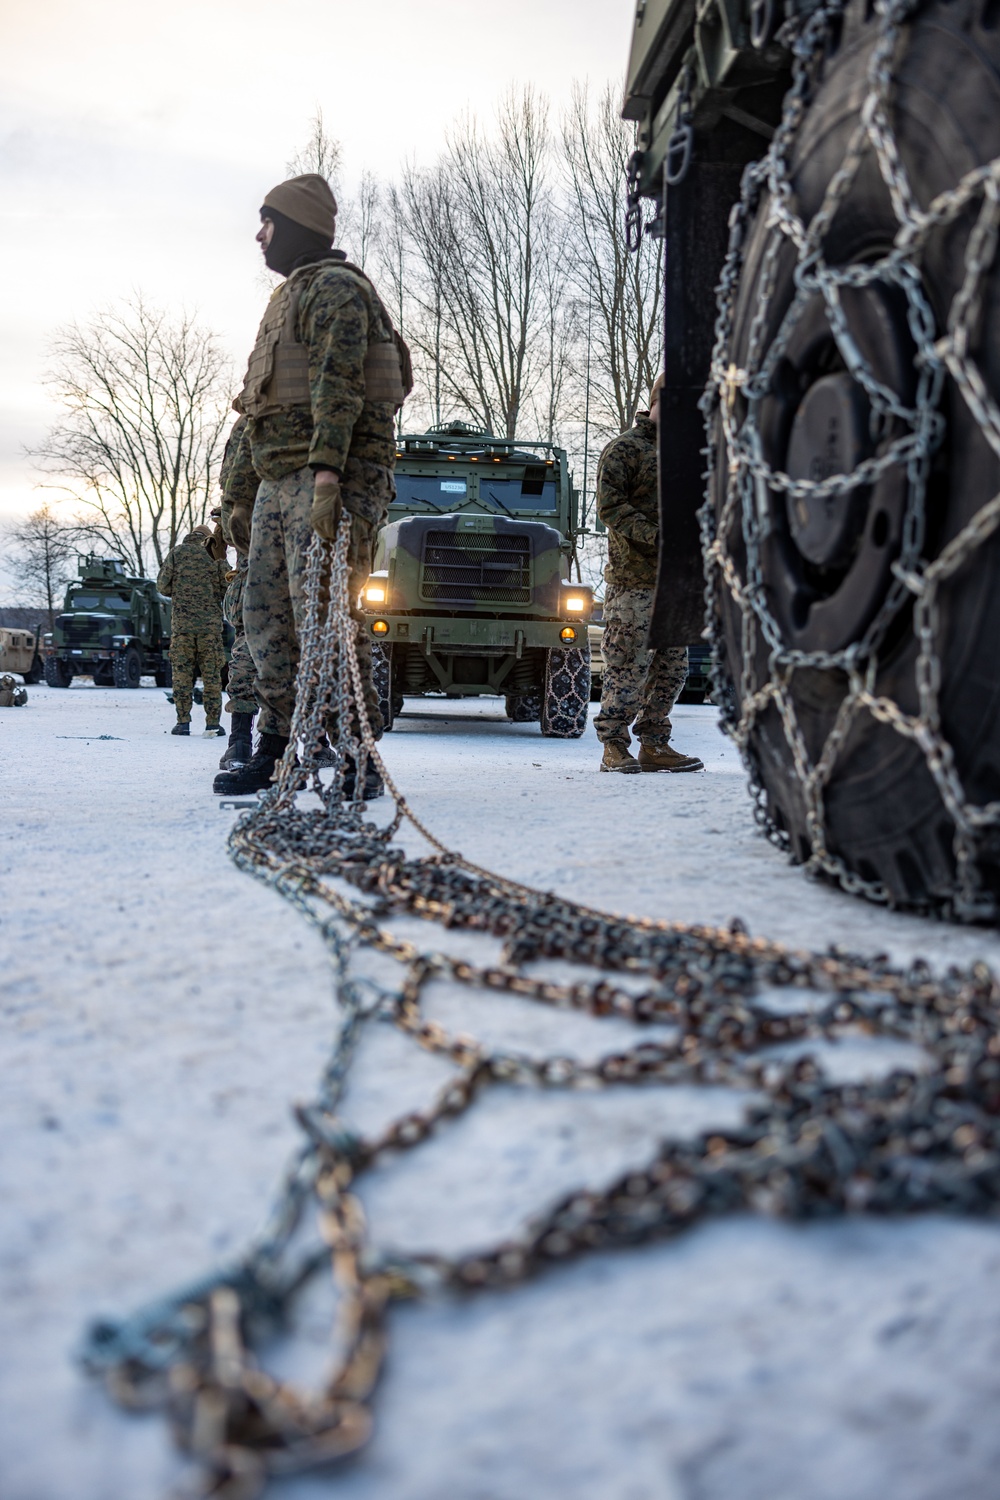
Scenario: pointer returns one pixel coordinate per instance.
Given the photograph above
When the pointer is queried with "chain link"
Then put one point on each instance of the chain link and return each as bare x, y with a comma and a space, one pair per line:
748, 475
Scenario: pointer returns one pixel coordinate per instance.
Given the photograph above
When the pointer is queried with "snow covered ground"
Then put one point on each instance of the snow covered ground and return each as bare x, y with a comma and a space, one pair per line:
161, 1011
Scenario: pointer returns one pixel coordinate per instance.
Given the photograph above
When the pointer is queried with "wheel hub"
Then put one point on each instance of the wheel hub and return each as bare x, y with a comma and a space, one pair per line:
830, 435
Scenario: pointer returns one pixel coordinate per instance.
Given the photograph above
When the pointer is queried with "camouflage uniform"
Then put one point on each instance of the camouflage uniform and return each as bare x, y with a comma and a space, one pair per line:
639, 686
195, 584
241, 667
338, 315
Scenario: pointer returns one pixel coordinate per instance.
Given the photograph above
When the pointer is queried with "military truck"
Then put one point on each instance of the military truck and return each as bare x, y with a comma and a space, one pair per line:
114, 627
19, 653
823, 180
471, 592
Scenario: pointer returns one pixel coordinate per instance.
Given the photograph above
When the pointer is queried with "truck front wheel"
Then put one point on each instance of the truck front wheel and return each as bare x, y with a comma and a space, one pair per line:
852, 541
382, 682
566, 695
128, 668
57, 673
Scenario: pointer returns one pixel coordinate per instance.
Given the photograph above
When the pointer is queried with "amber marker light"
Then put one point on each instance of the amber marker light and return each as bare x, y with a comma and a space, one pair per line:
567, 633
380, 627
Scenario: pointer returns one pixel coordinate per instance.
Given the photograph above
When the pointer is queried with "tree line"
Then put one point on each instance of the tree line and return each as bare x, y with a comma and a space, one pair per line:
504, 263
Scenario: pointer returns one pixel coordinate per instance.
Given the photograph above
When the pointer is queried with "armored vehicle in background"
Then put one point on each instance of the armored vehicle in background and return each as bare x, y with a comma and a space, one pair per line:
19, 653
471, 591
114, 627
826, 179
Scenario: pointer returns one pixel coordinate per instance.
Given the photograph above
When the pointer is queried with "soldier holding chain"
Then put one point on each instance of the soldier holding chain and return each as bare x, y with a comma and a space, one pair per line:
324, 381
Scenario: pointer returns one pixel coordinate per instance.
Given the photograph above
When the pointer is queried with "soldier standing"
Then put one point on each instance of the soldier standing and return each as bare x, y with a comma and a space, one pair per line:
195, 583
321, 391
640, 686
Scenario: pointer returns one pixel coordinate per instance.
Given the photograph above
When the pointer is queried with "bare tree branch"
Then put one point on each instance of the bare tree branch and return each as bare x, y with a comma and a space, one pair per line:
145, 400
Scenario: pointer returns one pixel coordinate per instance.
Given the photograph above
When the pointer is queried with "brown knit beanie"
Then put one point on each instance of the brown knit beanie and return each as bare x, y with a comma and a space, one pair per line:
308, 200
201, 531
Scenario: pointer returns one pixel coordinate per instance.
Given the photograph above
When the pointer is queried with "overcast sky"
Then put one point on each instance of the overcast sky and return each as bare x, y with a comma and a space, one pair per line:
139, 140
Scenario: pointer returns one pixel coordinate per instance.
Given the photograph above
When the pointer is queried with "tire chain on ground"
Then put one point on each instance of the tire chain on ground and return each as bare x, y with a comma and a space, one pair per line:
916, 580
917, 1140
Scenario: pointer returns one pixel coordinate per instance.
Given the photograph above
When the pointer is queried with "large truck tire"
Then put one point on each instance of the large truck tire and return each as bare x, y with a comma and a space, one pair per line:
57, 673
867, 705
566, 694
382, 682
128, 668
523, 708
35, 672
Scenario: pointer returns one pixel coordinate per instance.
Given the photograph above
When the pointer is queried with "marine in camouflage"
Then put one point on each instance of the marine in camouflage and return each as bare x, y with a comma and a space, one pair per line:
628, 505
338, 315
274, 603
195, 584
193, 654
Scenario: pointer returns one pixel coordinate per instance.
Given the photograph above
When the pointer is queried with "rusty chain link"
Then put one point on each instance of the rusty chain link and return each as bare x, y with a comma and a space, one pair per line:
922, 1139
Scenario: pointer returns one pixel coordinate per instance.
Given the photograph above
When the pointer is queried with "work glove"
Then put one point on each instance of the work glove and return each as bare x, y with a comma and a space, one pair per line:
216, 545
239, 527
326, 507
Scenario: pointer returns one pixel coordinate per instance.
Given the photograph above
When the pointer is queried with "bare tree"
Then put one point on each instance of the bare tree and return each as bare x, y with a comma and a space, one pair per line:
321, 153
145, 400
40, 549
621, 293
359, 220
481, 306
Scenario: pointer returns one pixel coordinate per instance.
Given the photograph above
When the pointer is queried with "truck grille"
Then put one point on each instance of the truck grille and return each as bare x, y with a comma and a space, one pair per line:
479, 568
84, 631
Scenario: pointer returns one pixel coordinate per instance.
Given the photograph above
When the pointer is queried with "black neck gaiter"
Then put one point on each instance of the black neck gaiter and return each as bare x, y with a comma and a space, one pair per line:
291, 244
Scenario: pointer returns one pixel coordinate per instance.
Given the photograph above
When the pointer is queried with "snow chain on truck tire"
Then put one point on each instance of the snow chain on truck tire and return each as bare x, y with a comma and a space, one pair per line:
854, 610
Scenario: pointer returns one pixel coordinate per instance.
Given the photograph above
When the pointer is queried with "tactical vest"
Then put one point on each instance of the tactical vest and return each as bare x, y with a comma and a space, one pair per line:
277, 377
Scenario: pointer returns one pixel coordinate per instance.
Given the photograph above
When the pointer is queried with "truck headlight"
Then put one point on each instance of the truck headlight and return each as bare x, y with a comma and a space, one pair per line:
578, 602
376, 590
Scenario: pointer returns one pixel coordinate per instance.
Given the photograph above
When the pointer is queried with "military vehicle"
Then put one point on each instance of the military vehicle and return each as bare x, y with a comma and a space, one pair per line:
19, 653
471, 592
824, 178
114, 627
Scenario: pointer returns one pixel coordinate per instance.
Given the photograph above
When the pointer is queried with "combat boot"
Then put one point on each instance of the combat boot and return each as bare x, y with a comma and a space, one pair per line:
212, 732
374, 785
616, 757
240, 747
257, 774
181, 729
664, 758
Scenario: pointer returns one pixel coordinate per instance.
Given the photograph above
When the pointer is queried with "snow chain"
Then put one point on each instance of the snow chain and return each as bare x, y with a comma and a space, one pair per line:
914, 578
920, 1140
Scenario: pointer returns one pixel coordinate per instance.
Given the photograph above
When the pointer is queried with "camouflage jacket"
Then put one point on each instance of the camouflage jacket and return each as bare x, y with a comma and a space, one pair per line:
337, 310
628, 505
238, 479
195, 583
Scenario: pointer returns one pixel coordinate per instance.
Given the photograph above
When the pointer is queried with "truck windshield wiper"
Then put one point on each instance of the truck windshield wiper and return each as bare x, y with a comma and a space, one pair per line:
501, 504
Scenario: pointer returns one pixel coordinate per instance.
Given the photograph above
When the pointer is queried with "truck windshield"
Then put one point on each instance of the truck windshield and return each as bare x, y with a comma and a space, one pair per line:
536, 491
100, 601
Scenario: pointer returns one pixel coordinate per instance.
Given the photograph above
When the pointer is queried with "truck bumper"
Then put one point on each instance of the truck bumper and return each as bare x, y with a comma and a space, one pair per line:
446, 635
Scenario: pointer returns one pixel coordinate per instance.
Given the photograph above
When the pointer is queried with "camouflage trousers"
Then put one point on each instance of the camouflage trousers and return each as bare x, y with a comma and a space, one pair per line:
241, 668
274, 604
197, 653
639, 686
